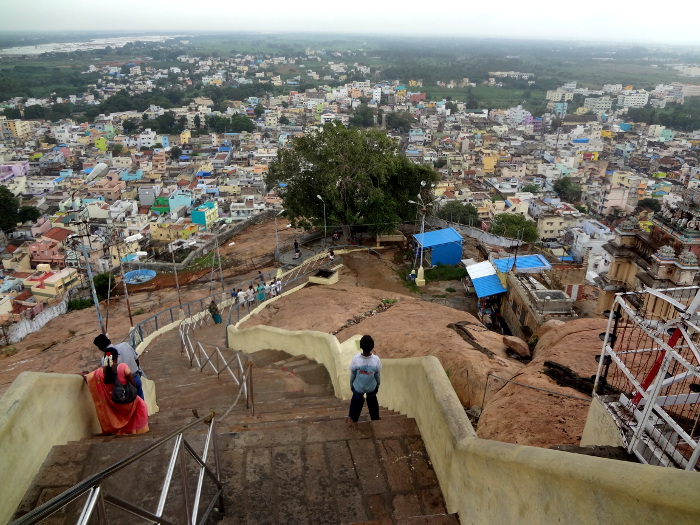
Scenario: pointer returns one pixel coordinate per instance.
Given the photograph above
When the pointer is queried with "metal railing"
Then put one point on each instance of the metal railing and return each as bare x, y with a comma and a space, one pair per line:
649, 376
98, 500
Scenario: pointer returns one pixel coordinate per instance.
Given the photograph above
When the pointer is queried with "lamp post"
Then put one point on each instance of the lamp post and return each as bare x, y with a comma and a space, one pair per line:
420, 279
325, 233
177, 283
277, 240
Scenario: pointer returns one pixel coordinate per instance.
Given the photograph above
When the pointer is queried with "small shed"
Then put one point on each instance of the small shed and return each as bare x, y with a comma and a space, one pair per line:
485, 280
440, 246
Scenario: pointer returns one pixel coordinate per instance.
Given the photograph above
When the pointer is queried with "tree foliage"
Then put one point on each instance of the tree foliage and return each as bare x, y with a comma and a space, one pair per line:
652, 204
532, 188
567, 190
462, 213
8, 209
28, 213
399, 120
360, 175
362, 117
514, 226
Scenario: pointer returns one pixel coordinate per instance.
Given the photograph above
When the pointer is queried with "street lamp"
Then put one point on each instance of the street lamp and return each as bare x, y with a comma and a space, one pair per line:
325, 233
277, 240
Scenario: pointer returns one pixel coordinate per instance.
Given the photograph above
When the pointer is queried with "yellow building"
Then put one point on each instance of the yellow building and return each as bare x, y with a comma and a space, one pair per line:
185, 137
170, 231
45, 284
488, 160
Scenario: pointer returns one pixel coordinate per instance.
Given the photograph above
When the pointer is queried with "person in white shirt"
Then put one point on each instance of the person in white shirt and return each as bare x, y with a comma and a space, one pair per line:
365, 377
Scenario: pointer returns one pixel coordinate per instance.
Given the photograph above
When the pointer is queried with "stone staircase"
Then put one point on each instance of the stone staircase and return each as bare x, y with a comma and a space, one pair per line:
295, 461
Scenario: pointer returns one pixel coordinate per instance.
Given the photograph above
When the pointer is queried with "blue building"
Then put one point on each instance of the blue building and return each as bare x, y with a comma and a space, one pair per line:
440, 246
180, 198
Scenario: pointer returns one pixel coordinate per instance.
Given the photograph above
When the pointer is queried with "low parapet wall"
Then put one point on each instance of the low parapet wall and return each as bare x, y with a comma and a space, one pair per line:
37, 412
488, 481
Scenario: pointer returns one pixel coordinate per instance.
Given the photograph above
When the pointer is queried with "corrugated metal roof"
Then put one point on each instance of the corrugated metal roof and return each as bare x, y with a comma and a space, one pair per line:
525, 263
488, 285
438, 237
481, 269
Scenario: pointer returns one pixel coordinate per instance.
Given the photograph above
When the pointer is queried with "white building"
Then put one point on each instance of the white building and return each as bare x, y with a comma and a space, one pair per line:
633, 99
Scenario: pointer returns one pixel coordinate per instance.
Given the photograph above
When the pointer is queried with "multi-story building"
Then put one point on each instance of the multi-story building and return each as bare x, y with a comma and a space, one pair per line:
633, 99
598, 103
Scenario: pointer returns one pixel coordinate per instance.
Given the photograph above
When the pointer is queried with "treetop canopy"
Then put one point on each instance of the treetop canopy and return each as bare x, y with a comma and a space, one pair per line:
359, 174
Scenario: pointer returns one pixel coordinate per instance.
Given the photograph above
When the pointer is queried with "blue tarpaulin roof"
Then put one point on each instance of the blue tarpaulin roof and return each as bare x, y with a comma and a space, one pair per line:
525, 263
438, 237
489, 285
484, 279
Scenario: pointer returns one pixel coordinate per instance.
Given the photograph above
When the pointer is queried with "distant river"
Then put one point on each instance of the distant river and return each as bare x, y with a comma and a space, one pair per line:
68, 47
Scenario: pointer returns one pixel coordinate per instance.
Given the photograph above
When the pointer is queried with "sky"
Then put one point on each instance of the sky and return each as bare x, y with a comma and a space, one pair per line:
596, 20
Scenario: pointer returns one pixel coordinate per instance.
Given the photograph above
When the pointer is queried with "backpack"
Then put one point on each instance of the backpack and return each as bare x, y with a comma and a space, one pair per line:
123, 394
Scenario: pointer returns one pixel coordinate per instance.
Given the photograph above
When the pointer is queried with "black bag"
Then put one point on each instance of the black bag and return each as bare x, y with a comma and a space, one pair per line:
123, 394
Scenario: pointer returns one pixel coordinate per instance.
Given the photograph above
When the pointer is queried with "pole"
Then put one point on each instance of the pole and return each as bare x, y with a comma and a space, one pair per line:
221, 272
92, 287
325, 233
277, 241
177, 283
126, 291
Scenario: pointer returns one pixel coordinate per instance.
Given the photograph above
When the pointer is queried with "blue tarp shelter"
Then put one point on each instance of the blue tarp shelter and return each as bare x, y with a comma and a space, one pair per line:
484, 279
445, 245
523, 264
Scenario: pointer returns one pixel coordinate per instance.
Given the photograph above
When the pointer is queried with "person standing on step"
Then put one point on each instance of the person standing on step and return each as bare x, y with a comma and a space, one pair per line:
365, 377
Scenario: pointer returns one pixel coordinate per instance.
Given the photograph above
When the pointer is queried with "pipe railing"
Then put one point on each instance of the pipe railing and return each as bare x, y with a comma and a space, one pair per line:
97, 500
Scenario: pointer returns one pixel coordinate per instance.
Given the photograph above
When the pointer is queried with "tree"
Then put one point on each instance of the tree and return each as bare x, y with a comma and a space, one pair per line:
455, 211
129, 126
399, 120
28, 213
102, 284
362, 117
175, 152
259, 109
514, 226
532, 188
360, 175
567, 190
283, 120
452, 107
8, 209
118, 148
651, 204
197, 121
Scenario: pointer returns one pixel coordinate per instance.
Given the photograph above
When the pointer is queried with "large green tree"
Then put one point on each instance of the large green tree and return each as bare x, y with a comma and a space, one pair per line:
514, 227
567, 190
652, 204
462, 213
359, 174
362, 117
8, 209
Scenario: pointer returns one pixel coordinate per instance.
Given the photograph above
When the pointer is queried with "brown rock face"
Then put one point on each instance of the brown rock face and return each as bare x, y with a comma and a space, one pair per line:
410, 328
518, 414
517, 345
552, 324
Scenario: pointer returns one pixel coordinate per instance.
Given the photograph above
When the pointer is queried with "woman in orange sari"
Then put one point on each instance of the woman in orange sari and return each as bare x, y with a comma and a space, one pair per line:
114, 418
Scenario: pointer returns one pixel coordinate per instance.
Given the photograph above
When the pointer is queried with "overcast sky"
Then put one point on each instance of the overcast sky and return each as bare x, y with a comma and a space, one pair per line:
640, 21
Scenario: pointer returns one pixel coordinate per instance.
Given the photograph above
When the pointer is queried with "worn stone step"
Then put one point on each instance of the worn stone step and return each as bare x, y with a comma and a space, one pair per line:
434, 519
287, 360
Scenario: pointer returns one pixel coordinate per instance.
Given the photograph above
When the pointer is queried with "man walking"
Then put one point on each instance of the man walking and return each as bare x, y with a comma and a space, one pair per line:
365, 370
126, 355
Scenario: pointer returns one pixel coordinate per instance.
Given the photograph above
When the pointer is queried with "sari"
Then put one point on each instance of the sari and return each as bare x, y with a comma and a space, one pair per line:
261, 293
113, 417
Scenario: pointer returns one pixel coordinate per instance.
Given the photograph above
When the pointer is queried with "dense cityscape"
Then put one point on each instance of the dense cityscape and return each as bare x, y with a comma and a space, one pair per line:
529, 187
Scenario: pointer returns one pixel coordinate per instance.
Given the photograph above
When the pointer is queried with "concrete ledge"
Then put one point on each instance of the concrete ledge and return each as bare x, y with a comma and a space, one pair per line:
37, 412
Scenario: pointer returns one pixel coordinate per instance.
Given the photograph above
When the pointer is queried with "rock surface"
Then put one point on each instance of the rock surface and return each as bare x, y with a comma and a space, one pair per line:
517, 345
518, 414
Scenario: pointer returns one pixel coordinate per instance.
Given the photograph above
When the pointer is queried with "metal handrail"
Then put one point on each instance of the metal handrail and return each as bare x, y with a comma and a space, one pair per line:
96, 499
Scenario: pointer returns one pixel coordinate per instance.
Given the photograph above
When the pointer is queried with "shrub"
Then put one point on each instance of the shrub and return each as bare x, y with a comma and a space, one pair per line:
450, 289
139, 311
10, 350
79, 304
445, 273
